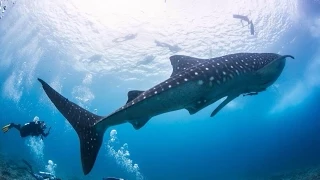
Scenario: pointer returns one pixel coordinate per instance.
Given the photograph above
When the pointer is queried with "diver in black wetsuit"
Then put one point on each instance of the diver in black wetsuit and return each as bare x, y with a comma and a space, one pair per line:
33, 128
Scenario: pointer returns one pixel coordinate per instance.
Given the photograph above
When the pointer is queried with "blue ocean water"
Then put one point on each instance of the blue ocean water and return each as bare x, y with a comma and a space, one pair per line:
95, 52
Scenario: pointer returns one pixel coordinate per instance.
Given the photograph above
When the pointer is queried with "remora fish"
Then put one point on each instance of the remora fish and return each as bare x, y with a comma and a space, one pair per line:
193, 85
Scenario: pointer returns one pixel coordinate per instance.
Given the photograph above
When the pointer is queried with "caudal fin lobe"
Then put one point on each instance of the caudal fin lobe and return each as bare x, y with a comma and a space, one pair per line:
83, 122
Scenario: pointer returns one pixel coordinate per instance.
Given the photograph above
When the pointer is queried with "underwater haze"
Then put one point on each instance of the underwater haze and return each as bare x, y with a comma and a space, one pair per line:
94, 52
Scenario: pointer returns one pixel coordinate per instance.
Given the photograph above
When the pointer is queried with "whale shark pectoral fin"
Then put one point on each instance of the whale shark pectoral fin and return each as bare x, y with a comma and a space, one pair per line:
224, 103
139, 123
180, 63
133, 94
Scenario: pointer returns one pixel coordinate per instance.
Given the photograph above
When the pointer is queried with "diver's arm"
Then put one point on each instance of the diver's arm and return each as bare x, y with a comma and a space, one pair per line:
43, 134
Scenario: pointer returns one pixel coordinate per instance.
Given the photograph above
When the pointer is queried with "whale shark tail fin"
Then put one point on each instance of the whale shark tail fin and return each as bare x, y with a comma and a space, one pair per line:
82, 121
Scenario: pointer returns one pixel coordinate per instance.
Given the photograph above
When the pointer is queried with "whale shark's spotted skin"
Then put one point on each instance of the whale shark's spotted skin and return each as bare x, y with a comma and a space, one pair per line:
207, 72
193, 85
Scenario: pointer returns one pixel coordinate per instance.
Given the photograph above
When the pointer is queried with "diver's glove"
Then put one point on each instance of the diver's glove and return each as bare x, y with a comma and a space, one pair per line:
46, 134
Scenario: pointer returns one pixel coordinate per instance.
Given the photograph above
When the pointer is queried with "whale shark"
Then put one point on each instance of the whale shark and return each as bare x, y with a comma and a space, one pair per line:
193, 85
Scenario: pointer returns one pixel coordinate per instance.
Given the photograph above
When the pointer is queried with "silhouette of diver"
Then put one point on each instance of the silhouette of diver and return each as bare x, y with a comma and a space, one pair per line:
33, 128
242, 18
246, 19
40, 175
251, 28
126, 38
174, 48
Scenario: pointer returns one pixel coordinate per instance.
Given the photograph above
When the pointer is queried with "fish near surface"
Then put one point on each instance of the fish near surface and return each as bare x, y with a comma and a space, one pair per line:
193, 85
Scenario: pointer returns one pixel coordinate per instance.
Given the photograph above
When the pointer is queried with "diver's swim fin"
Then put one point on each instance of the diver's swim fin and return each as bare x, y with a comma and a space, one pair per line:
6, 128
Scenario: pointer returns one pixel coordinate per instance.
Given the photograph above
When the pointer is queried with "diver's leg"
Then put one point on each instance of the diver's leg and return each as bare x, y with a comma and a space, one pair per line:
9, 126
17, 126
23, 131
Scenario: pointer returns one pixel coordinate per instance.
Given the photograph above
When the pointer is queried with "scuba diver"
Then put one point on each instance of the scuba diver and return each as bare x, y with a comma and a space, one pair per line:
40, 175
174, 48
242, 18
246, 19
33, 128
125, 38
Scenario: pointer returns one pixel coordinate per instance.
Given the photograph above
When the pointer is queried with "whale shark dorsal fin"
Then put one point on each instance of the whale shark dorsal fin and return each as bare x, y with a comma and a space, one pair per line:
180, 63
133, 94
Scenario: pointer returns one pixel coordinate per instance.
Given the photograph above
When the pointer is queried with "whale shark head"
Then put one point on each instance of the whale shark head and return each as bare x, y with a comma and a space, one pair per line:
271, 67
250, 71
